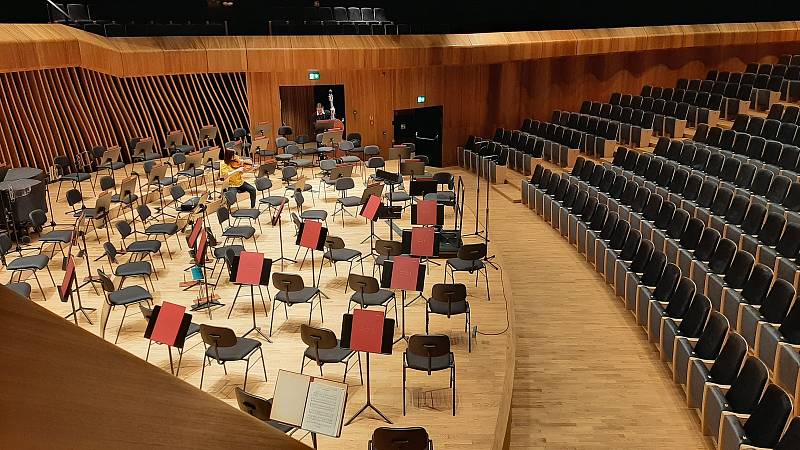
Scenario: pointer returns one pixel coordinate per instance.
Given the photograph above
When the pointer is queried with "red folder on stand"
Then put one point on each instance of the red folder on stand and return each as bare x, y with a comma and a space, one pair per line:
196, 228
168, 323
426, 212
69, 277
367, 334
370, 210
311, 232
249, 269
422, 241
200, 254
405, 271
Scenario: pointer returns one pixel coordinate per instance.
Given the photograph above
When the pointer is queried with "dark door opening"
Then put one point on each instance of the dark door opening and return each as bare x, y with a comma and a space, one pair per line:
423, 127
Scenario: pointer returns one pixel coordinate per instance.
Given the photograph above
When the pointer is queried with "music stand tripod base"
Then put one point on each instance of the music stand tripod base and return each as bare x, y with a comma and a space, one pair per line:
368, 404
255, 328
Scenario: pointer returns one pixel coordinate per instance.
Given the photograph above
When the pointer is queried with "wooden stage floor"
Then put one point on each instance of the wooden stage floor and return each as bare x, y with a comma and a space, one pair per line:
585, 377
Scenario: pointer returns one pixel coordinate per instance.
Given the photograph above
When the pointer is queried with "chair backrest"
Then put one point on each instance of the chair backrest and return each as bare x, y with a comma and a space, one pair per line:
711, 339
692, 324
726, 366
222, 215
642, 256
217, 337
107, 183
754, 219
619, 236
630, 249
111, 251
429, 346
318, 339
738, 273
144, 212
791, 437
654, 268
707, 246
388, 248
681, 298
790, 327
690, 237
123, 228
287, 282
450, 294
746, 389
775, 305
472, 252
256, 406
74, 197
37, 218
764, 426
678, 223
344, 183
722, 257
667, 282
363, 283
411, 438
105, 281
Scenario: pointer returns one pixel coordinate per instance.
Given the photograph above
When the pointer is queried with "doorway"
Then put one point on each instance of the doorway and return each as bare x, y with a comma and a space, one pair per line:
423, 127
298, 104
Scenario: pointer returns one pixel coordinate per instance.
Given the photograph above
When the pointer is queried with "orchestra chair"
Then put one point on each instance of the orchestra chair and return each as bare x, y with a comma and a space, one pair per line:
324, 348
429, 353
32, 263
223, 346
411, 438
124, 297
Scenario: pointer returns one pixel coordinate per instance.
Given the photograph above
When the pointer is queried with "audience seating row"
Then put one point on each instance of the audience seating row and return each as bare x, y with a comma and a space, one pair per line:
703, 107
628, 239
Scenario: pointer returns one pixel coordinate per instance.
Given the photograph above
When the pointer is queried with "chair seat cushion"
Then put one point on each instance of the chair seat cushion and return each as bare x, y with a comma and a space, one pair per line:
314, 214
132, 269
166, 181
77, 177
284, 157
418, 362
29, 262
220, 252
184, 148
265, 153
128, 295
195, 172
162, 228
341, 254
238, 352
446, 197
459, 264
113, 165
376, 299
148, 246
302, 162
399, 196
246, 213
293, 187
63, 236
190, 204
273, 200
350, 201
239, 232
193, 329
128, 199
330, 355
301, 296
21, 288
350, 159
440, 307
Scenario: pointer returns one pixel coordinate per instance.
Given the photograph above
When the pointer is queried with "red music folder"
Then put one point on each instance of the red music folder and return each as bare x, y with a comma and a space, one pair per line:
249, 270
422, 240
311, 232
168, 323
198, 225
426, 212
405, 270
367, 334
200, 254
66, 283
371, 208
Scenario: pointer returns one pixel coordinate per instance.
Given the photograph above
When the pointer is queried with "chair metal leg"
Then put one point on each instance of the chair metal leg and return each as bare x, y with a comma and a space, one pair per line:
488, 294
263, 363
203, 372
51, 275
272, 317
246, 369
120, 323
453, 377
404, 389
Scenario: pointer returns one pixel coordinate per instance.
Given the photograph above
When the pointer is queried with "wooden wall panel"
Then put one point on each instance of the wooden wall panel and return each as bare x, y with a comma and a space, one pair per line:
70, 110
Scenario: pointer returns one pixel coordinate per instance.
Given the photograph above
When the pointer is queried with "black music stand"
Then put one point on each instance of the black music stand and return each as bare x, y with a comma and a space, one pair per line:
276, 219
392, 179
369, 211
206, 301
404, 280
255, 271
377, 341
170, 328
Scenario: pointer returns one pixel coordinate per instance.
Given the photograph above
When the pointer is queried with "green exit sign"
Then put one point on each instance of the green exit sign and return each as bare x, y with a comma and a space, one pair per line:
313, 74
420, 99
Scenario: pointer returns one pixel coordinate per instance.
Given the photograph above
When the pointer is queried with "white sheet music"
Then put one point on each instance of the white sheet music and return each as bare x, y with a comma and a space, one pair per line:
324, 409
288, 403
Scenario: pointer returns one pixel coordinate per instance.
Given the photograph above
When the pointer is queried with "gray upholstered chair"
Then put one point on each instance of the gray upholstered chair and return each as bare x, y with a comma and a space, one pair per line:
324, 348
124, 297
223, 346
469, 259
449, 300
292, 291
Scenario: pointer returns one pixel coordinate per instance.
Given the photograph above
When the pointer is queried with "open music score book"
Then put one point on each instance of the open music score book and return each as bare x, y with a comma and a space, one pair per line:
310, 403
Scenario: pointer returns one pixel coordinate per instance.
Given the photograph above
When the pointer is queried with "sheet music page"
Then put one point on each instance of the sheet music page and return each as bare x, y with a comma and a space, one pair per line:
289, 401
325, 408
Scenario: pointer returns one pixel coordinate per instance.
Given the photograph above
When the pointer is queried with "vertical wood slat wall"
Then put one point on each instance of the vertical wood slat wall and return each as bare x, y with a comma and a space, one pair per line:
50, 112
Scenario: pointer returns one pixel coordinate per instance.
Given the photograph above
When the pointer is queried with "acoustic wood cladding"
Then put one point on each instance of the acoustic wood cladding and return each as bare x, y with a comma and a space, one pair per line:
44, 113
147, 86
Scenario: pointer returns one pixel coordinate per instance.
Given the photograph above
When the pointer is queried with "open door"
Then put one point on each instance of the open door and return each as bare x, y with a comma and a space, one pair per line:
423, 127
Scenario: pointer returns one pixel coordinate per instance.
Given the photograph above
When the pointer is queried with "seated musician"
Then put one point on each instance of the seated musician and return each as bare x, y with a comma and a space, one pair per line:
231, 167
321, 113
